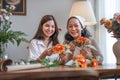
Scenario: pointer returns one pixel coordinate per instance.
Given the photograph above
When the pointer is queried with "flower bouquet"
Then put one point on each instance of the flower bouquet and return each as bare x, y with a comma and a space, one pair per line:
81, 61
57, 49
112, 25
83, 42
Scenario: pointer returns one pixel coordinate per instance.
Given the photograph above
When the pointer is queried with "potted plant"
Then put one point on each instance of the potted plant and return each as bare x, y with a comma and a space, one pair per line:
6, 34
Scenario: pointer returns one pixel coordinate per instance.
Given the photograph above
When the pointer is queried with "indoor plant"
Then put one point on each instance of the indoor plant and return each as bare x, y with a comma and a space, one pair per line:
6, 34
113, 26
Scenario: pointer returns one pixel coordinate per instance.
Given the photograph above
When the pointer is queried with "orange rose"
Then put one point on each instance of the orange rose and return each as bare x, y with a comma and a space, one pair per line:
82, 40
94, 63
58, 48
102, 21
108, 24
82, 61
84, 65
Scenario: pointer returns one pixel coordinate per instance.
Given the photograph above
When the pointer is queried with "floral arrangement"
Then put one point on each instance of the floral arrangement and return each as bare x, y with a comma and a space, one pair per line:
6, 34
59, 48
81, 41
112, 25
81, 61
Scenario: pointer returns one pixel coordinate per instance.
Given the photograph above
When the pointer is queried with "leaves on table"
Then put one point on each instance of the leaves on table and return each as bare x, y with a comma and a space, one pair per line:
47, 63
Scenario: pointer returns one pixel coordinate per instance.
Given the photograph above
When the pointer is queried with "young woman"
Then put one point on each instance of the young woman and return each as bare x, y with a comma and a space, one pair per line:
76, 28
45, 37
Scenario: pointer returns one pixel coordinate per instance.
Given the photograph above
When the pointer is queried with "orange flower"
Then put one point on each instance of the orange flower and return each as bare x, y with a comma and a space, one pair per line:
94, 63
108, 24
82, 40
81, 61
102, 21
58, 48
84, 65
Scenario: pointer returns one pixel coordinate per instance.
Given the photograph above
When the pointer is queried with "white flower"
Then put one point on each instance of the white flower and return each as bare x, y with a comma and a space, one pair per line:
116, 15
7, 17
12, 7
3, 10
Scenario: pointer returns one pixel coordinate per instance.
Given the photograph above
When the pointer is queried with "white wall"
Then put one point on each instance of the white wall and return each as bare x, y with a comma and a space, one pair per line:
35, 10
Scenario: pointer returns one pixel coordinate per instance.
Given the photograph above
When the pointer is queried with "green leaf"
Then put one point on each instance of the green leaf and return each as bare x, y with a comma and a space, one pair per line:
47, 63
6, 34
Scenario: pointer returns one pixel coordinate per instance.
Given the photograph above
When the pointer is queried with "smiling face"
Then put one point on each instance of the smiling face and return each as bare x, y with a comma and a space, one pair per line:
48, 28
74, 28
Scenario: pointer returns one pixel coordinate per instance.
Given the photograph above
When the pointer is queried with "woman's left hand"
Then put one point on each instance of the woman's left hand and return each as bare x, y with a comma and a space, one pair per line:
65, 58
72, 46
86, 52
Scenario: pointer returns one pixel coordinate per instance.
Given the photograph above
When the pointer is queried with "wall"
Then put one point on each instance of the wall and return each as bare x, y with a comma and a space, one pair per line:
35, 10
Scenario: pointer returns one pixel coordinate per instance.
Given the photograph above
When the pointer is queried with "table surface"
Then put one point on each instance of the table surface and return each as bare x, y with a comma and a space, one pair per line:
105, 70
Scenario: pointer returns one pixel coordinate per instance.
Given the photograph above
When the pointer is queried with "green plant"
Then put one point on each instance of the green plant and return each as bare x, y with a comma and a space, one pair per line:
47, 63
6, 34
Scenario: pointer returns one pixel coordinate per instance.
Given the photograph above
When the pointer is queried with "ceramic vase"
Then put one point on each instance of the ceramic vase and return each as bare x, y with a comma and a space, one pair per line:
116, 51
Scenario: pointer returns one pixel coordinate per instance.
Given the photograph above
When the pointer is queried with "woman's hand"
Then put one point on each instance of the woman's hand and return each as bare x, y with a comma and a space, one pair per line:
72, 46
86, 52
65, 58
48, 52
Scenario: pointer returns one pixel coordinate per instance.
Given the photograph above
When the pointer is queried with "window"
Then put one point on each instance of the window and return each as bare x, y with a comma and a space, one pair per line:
111, 7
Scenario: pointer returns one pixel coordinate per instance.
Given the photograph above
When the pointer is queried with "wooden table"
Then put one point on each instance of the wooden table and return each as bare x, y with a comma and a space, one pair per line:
109, 71
105, 71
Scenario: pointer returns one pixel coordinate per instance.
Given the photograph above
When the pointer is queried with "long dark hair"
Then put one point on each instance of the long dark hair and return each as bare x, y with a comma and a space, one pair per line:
40, 34
84, 32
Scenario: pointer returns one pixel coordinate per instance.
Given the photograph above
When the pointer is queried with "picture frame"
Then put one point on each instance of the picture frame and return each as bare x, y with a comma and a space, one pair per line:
19, 4
0, 4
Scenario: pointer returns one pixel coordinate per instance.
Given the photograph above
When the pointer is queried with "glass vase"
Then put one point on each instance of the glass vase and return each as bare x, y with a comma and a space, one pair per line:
3, 55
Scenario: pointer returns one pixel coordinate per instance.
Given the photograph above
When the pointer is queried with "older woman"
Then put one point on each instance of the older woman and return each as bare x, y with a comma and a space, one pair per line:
76, 28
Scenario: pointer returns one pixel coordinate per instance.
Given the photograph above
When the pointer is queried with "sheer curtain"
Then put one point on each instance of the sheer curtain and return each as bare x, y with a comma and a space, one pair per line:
100, 32
110, 40
108, 8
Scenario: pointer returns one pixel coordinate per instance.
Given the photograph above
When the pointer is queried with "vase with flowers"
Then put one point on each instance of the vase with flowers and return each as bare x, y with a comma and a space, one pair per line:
113, 26
6, 34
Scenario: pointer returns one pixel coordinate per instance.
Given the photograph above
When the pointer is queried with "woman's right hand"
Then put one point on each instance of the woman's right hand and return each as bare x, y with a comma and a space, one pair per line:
86, 52
65, 58
72, 46
48, 51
